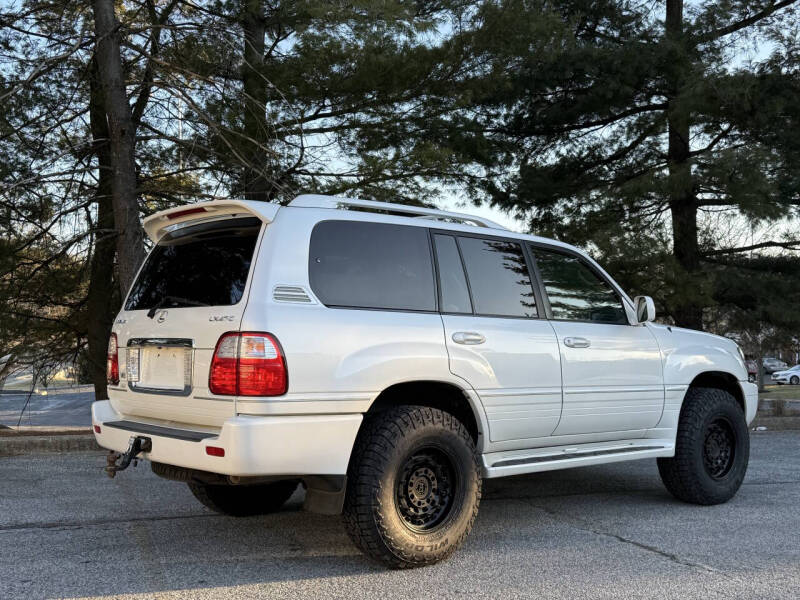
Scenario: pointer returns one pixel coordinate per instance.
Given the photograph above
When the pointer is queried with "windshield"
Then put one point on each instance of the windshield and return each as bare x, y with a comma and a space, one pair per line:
200, 265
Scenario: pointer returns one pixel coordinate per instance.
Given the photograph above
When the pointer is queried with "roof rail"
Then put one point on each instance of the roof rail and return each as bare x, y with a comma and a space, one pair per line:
333, 202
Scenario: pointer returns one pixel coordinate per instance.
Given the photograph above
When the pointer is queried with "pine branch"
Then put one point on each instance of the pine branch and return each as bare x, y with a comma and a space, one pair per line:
744, 23
793, 245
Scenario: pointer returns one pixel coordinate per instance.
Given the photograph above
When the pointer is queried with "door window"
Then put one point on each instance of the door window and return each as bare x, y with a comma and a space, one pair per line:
575, 291
498, 277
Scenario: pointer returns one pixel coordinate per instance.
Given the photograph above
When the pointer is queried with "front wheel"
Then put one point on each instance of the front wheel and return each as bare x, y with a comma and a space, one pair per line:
244, 500
712, 449
413, 487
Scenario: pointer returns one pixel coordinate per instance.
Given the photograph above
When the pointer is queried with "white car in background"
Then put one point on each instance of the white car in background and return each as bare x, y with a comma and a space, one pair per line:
791, 376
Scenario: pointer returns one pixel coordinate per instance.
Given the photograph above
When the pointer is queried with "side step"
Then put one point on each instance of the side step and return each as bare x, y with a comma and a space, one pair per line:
517, 462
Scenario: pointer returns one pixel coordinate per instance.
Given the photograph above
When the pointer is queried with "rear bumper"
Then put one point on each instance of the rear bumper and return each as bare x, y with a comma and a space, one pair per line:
279, 445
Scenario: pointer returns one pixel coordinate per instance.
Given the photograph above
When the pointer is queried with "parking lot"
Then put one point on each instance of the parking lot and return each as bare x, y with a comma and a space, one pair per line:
602, 532
59, 407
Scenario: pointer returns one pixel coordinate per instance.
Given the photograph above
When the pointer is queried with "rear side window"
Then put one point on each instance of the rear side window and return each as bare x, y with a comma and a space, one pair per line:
498, 277
201, 265
372, 265
452, 282
576, 292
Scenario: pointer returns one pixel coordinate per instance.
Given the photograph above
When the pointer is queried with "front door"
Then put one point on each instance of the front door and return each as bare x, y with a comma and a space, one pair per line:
495, 338
611, 370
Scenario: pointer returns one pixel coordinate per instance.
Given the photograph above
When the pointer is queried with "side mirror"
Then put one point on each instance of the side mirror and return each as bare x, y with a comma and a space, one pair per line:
645, 309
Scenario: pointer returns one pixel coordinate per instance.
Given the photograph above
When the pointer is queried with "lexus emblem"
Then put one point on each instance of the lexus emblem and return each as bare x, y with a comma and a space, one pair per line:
162, 316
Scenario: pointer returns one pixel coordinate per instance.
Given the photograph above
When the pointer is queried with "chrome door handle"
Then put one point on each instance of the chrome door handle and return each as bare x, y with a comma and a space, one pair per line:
469, 338
577, 342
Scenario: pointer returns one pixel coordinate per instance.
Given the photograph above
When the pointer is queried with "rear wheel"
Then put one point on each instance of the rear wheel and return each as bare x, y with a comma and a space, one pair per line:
712, 449
244, 500
413, 487
794, 380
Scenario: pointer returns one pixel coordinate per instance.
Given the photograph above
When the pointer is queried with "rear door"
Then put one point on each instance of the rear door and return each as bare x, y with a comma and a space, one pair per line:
495, 338
191, 289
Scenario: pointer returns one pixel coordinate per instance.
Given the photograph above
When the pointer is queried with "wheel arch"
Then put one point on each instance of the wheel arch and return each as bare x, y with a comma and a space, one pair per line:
444, 395
720, 380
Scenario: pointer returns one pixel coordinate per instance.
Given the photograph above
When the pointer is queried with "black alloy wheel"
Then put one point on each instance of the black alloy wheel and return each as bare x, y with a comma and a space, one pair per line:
719, 448
425, 489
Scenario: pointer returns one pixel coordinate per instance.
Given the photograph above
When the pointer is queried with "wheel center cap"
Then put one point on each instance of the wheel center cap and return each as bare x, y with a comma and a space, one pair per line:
713, 448
421, 487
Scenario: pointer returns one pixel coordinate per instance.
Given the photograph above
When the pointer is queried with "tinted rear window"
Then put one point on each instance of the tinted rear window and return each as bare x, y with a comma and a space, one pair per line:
205, 264
372, 265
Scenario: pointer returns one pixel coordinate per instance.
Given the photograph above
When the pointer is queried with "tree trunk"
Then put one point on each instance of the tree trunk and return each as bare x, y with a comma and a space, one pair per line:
255, 183
122, 142
101, 301
683, 204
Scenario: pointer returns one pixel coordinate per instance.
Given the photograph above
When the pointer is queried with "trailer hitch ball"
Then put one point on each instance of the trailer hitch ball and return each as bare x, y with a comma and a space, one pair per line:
136, 445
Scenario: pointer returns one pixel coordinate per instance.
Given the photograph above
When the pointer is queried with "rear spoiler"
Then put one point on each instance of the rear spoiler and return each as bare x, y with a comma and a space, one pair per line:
155, 226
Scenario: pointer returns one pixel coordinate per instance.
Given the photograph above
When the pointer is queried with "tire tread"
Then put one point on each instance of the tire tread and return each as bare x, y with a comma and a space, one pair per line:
679, 474
371, 455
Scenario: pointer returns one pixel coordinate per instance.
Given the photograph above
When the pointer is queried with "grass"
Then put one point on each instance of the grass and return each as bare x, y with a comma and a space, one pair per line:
780, 392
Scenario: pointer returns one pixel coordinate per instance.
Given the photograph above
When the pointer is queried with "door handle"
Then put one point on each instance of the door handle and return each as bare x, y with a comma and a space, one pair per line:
469, 338
577, 342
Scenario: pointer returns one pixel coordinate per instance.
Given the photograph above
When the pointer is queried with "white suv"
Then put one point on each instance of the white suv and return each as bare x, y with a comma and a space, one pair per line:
389, 358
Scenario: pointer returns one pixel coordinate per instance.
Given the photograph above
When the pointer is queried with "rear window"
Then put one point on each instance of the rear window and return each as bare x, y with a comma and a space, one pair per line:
200, 265
372, 265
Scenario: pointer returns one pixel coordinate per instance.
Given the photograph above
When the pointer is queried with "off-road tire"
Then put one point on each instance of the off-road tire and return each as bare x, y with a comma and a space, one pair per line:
244, 500
696, 474
388, 458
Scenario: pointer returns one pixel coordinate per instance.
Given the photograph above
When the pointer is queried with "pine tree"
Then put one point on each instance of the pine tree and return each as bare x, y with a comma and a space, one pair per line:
627, 126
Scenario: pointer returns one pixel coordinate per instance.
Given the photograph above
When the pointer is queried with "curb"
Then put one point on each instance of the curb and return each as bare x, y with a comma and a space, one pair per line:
14, 446
777, 423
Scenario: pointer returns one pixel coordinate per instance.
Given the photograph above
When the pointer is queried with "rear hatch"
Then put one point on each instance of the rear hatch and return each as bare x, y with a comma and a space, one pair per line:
191, 289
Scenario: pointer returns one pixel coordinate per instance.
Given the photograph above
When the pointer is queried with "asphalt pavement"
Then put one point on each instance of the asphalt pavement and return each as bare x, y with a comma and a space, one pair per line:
68, 408
66, 530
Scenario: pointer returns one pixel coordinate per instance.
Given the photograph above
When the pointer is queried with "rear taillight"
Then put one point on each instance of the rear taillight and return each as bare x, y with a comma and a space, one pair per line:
248, 364
112, 362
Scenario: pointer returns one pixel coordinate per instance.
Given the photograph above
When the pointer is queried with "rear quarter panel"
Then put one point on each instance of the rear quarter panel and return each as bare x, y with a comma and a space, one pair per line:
338, 359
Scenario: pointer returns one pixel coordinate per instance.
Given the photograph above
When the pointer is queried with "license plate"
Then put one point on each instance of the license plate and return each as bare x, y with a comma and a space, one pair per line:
162, 368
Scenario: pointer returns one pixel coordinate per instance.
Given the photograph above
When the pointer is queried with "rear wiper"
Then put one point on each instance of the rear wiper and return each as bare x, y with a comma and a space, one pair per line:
168, 298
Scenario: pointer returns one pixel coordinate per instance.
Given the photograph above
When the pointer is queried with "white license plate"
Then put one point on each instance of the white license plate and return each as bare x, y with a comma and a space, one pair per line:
162, 368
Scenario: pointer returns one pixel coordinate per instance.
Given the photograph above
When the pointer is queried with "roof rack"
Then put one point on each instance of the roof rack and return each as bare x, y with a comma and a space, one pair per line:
319, 201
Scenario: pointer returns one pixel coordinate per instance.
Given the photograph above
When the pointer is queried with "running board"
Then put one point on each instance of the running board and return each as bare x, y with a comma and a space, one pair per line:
517, 462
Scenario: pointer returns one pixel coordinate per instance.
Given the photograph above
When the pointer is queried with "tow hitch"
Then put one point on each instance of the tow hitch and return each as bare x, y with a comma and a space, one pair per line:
136, 446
